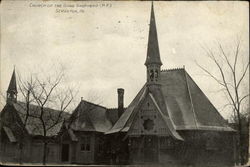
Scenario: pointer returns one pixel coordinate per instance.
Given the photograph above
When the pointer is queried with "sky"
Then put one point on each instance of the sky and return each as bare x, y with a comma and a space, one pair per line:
103, 46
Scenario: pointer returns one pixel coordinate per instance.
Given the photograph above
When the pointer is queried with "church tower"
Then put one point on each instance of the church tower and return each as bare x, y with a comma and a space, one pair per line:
153, 60
12, 89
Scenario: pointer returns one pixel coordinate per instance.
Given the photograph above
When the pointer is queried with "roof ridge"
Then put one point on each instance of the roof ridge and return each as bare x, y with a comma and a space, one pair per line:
173, 69
93, 103
115, 108
112, 108
46, 107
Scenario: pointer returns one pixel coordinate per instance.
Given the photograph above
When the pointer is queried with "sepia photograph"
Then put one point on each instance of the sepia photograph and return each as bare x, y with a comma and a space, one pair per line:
128, 83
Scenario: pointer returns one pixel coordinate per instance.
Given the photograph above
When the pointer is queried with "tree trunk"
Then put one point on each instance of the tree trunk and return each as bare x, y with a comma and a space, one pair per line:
20, 155
240, 150
44, 152
241, 159
20, 151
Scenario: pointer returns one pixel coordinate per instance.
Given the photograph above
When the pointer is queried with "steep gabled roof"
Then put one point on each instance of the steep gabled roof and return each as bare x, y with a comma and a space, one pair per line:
166, 118
10, 118
34, 125
188, 106
126, 120
181, 101
122, 121
90, 117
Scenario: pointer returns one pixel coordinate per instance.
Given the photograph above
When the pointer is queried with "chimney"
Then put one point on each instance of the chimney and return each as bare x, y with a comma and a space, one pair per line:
120, 92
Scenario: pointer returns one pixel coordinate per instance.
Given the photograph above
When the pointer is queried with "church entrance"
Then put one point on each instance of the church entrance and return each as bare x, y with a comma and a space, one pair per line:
150, 149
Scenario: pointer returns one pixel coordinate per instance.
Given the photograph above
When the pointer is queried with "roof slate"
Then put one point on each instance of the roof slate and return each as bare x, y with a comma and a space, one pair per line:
188, 106
34, 125
90, 117
205, 112
180, 100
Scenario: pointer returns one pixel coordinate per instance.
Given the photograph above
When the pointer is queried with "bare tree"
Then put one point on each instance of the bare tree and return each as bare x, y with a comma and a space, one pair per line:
44, 95
231, 72
45, 92
25, 88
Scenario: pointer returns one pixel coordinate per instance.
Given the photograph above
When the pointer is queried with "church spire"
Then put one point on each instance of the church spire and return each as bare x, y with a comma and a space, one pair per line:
12, 89
153, 53
153, 60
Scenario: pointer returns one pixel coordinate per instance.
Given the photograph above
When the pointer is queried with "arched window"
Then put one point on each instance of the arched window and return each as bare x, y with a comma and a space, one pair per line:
151, 75
156, 73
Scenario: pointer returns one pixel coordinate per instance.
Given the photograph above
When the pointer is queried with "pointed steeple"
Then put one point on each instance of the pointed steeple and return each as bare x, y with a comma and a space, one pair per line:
153, 60
12, 89
153, 53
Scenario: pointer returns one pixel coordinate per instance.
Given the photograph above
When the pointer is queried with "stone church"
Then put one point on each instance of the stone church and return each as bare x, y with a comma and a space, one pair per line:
170, 121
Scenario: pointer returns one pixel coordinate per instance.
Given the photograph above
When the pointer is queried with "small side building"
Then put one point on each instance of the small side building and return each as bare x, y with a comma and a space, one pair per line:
21, 132
83, 139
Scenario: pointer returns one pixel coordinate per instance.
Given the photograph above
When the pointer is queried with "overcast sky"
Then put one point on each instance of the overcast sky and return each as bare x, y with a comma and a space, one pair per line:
104, 48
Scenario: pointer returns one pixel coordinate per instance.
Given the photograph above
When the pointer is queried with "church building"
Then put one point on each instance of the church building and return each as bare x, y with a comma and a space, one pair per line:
170, 121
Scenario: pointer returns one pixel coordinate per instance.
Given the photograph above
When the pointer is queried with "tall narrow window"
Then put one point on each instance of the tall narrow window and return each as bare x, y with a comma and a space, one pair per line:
156, 74
85, 143
151, 75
